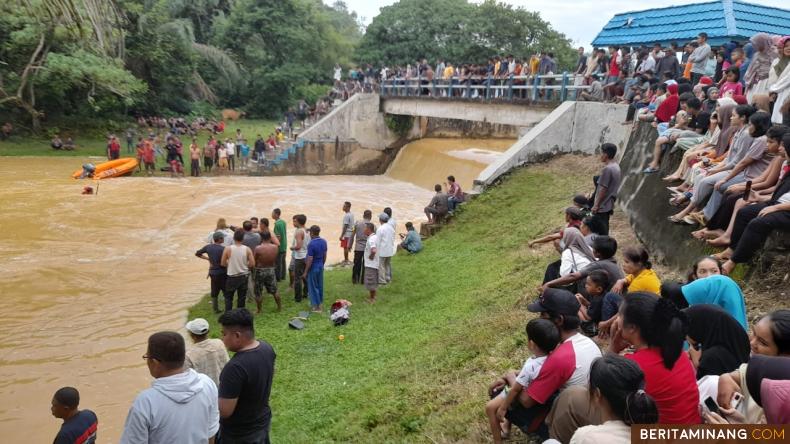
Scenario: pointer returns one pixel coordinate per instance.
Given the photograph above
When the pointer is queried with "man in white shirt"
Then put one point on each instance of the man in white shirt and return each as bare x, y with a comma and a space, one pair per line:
347, 231
230, 148
371, 277
385, 248
181, 405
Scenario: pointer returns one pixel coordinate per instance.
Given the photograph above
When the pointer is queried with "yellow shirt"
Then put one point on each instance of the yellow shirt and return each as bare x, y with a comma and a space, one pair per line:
448, 72
280, 137
646, 280
534, 62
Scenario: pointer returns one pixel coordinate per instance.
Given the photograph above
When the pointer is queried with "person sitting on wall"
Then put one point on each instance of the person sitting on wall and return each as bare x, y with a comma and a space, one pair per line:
438, 207
594, 93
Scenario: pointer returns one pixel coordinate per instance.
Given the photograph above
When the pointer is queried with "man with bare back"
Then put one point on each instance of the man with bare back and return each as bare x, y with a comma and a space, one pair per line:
265, 276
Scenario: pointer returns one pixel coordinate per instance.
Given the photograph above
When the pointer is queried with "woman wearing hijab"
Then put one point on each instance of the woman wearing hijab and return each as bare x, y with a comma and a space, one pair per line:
779, 78
714, 156
576, 254
716, 290
756, 77
716, 335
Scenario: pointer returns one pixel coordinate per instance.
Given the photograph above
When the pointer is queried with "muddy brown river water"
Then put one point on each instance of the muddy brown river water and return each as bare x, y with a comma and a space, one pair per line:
86, 279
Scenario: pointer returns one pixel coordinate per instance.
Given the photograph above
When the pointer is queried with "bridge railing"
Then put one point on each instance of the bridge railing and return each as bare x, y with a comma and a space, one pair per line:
538, 88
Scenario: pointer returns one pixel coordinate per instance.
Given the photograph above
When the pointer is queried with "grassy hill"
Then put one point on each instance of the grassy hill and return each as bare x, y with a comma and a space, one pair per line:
414, 367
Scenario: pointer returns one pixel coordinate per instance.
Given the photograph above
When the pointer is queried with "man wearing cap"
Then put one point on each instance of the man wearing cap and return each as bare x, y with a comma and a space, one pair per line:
207, 356
385, 248
568, 365
216, 272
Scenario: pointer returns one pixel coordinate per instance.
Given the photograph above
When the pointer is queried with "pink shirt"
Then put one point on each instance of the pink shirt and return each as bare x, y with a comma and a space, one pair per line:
735, 87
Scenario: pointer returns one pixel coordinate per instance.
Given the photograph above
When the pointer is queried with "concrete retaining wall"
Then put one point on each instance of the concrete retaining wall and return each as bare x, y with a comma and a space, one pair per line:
358, 118
335, 158
573, 127
441, 127
505, 113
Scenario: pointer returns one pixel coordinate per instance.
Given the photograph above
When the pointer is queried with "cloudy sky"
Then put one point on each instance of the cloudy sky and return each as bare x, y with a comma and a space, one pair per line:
578, 19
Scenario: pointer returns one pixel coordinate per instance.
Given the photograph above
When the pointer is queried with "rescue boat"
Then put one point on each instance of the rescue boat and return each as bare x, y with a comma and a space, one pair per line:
114, 168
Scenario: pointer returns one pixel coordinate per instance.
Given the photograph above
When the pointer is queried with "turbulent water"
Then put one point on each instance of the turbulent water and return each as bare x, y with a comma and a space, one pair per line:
427, 162
86, 279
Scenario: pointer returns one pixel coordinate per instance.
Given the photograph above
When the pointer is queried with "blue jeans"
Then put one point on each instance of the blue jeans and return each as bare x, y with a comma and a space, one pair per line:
452, 203
315, 285
611, 305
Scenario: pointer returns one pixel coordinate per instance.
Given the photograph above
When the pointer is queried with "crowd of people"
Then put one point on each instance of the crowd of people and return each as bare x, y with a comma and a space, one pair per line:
613, 345
753, 73
671, 350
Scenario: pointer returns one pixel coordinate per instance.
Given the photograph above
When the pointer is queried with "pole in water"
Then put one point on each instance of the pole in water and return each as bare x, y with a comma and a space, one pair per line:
97, 187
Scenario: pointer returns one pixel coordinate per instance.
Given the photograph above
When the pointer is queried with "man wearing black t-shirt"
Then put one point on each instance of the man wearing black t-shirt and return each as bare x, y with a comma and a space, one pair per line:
79, 426
245, 383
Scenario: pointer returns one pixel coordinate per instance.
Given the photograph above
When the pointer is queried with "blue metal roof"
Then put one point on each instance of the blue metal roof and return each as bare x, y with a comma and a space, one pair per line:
722, 20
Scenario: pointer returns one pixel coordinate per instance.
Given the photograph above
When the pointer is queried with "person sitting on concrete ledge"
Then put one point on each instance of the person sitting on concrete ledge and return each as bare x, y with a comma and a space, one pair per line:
454, 192
411, 240
437, 210
595, 93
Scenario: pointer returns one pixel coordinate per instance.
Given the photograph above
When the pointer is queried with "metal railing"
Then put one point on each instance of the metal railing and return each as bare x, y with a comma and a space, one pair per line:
539, 88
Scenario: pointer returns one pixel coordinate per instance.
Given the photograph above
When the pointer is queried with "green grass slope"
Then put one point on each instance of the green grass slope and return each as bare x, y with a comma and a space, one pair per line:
414, 367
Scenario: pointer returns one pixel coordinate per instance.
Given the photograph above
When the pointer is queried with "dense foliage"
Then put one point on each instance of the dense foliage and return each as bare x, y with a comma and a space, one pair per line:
460, 32
81, 62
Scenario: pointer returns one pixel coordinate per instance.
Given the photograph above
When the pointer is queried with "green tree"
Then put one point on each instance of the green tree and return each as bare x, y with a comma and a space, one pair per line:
458, 31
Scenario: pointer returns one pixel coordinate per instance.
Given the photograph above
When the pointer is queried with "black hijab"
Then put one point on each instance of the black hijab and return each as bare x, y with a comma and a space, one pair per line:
724, 342
765, 367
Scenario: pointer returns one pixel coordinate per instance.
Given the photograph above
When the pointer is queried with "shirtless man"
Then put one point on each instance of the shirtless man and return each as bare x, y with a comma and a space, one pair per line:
265, 277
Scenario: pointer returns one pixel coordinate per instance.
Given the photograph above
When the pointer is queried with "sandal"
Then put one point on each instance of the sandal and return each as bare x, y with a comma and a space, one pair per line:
690, 220
650, 170
675, 219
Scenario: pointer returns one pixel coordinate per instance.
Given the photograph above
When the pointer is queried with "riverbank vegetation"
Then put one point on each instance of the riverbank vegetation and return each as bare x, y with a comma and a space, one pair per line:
94, 143
414, 367
85, 65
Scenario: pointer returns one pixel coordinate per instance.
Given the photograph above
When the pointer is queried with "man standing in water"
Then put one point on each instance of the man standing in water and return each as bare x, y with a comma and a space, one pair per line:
238, 259
79, 426
265, 277
216, 272
360, 238
181, 405
347, 231
314, 273
245, 383
299, 254
385, 249
280, 233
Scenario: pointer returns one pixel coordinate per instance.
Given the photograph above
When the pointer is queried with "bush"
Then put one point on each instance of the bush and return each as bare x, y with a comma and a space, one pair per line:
399, 124
311, 92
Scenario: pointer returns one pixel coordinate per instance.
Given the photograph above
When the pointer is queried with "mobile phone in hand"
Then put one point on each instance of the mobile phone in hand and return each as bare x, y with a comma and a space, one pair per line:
748, 190
710, 403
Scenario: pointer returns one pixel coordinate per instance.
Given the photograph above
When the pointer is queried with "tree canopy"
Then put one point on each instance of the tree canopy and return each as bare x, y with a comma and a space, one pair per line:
458, 31
88, 60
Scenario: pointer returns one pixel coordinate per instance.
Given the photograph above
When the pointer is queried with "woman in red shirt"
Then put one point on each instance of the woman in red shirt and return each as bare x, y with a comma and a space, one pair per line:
656, 329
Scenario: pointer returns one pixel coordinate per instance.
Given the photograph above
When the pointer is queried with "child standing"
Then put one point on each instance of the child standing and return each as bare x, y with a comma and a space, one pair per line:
543, 338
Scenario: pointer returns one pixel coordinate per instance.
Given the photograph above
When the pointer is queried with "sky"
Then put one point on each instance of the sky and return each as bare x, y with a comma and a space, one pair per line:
580, 20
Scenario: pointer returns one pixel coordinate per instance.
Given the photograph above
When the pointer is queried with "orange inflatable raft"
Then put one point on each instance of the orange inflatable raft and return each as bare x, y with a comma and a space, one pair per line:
114, 168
